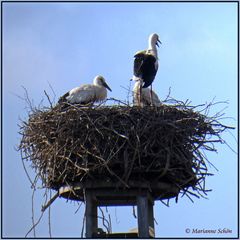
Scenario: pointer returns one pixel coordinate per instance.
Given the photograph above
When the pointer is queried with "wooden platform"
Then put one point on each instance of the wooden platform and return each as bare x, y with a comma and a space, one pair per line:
118, 235
113, 193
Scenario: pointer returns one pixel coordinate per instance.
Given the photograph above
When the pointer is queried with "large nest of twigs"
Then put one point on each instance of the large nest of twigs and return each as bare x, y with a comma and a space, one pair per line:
120, 143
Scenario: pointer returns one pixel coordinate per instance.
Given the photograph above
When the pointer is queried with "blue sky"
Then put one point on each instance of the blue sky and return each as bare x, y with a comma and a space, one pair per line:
68, 44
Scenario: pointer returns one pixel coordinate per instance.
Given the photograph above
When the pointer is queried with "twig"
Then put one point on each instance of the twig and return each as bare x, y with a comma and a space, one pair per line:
134, 212
25, 170
54, 94
35, 223
84, 216
33, 220
107, 227
49, 218
116, 218
80, 204
48, 99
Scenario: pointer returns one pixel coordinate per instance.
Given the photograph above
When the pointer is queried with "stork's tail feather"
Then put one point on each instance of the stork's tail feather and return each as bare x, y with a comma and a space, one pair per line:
63, 98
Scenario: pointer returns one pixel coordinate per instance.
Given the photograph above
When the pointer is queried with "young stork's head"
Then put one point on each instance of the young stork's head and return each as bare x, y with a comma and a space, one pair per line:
153, 41
101, 82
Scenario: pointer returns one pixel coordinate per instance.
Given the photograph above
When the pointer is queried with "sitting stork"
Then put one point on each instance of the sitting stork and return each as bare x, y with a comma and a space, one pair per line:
87, 93
146, 62
147, 97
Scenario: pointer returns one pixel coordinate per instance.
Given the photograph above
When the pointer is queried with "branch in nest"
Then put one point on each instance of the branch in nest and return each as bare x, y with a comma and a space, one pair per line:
44, 207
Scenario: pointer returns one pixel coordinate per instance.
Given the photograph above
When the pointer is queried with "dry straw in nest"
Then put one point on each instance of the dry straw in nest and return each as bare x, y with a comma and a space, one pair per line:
67, 144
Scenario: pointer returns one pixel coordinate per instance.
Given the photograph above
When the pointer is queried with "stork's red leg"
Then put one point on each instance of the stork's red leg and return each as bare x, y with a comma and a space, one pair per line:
151, 99
140, 96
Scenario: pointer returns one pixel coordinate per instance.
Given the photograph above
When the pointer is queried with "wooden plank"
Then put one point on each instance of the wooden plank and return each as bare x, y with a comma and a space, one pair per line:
91, 215
160, 190
122, 235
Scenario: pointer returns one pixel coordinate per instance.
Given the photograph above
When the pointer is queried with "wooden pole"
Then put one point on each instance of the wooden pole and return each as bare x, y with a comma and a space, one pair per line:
91, 215
145, 216
143, 220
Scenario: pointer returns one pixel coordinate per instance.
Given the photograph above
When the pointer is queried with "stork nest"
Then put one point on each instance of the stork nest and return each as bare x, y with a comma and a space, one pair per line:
68, 144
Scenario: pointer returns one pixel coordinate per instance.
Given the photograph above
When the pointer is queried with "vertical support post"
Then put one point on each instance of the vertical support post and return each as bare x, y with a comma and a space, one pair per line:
91, 214
143, 213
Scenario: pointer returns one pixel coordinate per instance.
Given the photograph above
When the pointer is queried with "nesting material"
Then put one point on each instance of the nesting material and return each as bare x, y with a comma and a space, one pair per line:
68, 144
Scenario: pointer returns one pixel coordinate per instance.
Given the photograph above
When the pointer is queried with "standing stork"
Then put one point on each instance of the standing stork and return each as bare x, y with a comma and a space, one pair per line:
87, 93
146, 62
147, 97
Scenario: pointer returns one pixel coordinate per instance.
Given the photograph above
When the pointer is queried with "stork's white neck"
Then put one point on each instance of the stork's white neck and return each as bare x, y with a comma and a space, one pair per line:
152, 47
138, 84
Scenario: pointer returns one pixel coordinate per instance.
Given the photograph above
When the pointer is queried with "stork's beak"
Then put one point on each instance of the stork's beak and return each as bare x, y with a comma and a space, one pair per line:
158, 41
106, 86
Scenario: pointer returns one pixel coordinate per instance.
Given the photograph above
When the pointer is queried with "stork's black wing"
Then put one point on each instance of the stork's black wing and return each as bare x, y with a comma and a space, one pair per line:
138, 63
144, 67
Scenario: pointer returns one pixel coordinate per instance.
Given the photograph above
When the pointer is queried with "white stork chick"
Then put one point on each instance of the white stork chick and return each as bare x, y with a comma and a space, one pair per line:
87, 93
146, 62
142, 96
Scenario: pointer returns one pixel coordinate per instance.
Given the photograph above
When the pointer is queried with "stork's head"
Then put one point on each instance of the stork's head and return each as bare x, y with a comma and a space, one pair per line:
100, 81
154, 39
